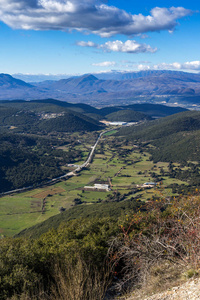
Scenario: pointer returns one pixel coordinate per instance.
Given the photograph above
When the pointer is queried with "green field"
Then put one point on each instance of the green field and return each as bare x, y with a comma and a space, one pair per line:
122, 166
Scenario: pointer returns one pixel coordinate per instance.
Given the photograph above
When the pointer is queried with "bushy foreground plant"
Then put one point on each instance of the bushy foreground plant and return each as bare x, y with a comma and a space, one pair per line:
67, 263
169, 231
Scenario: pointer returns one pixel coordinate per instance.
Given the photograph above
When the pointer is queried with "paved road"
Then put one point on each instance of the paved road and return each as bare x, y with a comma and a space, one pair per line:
86, 163
69, 174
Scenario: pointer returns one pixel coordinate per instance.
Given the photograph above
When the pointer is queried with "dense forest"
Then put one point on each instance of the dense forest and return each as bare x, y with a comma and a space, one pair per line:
26, 160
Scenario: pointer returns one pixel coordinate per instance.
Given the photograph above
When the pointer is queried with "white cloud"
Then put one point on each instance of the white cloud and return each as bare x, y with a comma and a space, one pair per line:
190, 65
105, 64
130, 46
142, 67
86, 15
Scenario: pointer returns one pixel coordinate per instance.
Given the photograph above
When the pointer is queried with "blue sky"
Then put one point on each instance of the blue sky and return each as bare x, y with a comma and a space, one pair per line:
84, 36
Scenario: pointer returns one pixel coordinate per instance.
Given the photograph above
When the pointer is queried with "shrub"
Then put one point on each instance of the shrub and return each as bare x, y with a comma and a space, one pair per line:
167, 231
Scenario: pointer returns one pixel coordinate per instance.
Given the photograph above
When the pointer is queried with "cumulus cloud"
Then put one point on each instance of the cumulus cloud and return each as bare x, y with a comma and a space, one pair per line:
105, 64
190, 65
130, 46
86, 15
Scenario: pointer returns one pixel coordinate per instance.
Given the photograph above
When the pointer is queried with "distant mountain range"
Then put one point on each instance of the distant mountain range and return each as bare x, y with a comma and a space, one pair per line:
118, 88
112, 75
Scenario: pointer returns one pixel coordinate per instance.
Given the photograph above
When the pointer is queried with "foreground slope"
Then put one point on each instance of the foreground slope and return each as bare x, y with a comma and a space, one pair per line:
101, 210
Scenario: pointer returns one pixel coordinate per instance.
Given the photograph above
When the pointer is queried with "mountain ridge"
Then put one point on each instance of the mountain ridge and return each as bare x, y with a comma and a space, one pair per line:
7, 80
155, 86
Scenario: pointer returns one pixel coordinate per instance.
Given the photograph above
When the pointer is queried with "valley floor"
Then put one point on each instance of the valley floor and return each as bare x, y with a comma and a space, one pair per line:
124, 167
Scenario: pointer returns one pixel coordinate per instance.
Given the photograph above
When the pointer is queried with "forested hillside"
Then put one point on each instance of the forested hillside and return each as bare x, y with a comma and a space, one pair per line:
148, 109
26, 161
127, 116
28, 155
174, 138
36, 116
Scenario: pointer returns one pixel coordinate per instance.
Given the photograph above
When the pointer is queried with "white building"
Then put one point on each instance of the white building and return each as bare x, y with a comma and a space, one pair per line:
98, 187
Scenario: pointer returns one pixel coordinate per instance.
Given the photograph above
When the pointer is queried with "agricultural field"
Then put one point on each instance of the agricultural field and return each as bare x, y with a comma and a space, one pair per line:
116, 162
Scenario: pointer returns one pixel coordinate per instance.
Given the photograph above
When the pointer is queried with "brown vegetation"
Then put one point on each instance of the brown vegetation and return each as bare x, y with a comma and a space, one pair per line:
157, 246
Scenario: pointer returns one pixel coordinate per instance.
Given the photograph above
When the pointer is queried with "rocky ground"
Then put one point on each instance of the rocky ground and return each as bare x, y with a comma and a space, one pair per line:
188, 291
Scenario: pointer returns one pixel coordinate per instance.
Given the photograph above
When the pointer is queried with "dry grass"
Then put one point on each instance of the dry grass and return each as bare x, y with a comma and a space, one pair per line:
79, 283
164, 253
72, 282
161, 277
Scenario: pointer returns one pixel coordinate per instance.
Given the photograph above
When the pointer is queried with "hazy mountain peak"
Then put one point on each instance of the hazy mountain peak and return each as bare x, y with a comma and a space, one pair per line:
87, 77
7, 80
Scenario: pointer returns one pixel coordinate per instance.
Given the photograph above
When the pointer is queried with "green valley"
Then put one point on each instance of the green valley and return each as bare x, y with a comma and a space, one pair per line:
121, 164
124, 213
